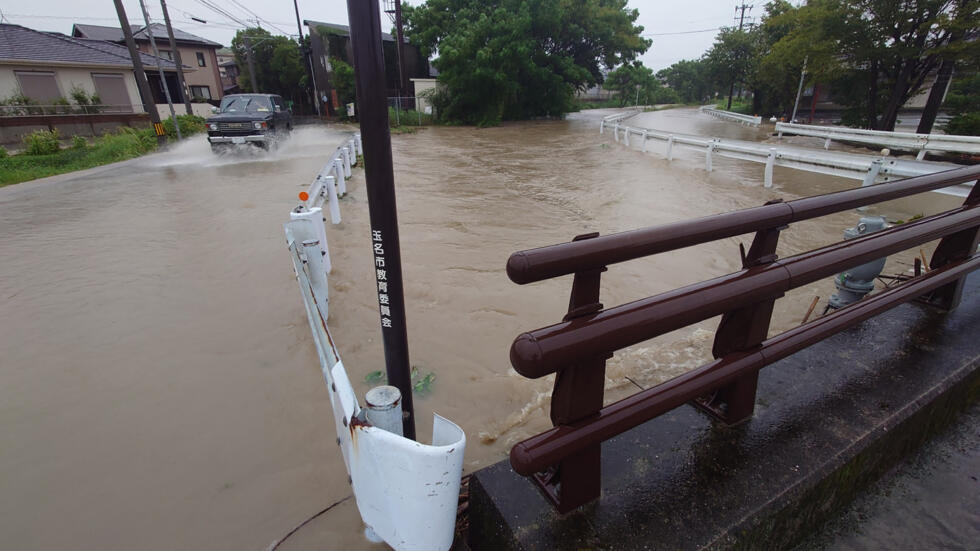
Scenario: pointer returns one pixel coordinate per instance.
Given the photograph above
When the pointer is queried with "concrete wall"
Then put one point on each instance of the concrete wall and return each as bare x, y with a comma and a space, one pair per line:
200, 109
13, 129
68, 77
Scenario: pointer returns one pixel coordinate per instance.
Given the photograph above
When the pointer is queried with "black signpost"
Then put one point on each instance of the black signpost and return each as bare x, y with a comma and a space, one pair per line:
369, 74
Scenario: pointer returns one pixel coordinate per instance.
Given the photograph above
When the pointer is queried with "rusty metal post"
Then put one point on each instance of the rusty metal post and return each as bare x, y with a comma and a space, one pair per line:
954, 248
369, 74
577, 395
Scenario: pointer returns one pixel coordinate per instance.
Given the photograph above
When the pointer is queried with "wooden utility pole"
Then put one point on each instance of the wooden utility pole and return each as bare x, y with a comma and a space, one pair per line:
251, 64
180, 67
163, 78
144, 87
741, 21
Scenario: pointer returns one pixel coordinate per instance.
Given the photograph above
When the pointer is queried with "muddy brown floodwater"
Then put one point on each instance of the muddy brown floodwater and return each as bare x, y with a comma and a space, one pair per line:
159, 387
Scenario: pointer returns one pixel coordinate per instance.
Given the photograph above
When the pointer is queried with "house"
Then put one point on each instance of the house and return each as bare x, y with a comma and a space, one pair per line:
329, 40
51, 68
198, 56
228, 71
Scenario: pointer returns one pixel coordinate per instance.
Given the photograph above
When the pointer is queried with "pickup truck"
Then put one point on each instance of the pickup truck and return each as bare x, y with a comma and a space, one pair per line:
260, 120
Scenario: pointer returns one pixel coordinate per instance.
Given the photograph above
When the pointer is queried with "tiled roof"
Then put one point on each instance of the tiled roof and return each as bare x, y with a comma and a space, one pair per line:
22, 44
114, 34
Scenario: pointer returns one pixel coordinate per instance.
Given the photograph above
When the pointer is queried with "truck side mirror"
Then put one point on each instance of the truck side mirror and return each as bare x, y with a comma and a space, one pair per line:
214, 109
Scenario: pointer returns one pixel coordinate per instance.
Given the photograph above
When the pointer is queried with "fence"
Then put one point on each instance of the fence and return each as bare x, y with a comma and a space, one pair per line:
869, 169
905, 141
747, 120
564, 461
406, 492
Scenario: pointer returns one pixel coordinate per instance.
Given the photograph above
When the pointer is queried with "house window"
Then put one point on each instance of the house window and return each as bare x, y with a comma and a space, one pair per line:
167, 54
39, 86
201, 92
111, 89
200, 59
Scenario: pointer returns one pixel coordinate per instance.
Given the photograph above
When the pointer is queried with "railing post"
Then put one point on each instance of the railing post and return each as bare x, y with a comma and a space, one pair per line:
670, 147
334, 205
616, 132
770, 161
954, 248
644, 141
577, 395
707, 155
626, 136
743, 329
602, 126
873, 170
338, 166
826, 143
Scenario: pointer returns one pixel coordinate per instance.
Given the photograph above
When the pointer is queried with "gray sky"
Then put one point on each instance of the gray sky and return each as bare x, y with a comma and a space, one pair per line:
656, 16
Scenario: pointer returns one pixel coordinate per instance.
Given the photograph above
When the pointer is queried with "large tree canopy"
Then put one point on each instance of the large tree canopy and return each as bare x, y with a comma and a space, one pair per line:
278, 64
517, 59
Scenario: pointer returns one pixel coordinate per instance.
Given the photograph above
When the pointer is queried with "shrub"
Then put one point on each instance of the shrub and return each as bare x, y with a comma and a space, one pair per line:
42, 142
3, 152
78, 142
189, 124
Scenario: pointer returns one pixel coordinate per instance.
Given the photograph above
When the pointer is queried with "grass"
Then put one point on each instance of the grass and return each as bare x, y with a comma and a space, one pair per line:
738, 106
127, 143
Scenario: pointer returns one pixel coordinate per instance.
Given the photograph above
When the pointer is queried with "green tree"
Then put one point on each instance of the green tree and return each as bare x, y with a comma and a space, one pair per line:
278, 62
637, 84
963, 103
689, 79
516, 59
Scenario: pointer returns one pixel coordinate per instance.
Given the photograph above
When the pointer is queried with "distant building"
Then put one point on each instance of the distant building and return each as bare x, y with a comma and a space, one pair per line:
198, 56
228, 71
48, 67
329, 40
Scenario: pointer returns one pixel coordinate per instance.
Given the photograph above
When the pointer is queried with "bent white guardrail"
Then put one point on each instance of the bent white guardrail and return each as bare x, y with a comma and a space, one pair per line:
906, 141
867, 168
728, 115
406, 492
616, 118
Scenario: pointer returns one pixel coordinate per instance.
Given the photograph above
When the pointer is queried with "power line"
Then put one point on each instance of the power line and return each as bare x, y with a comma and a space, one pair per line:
685, 32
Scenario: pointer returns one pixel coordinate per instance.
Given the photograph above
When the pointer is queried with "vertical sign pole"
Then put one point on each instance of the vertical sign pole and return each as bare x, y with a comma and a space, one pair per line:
369, 74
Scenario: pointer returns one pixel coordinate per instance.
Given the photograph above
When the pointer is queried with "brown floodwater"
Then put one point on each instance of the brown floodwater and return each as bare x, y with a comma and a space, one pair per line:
159, 387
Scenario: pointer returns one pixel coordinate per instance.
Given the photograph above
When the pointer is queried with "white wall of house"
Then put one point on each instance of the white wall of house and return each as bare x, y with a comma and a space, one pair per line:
68, 77
421, 85
194, 75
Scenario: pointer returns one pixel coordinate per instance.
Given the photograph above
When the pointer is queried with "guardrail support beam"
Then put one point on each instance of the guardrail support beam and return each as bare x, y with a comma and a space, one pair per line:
577, 395
954, 248
742, 329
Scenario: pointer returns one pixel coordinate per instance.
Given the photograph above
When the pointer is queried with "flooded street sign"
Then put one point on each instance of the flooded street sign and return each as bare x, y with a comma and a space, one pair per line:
369, 74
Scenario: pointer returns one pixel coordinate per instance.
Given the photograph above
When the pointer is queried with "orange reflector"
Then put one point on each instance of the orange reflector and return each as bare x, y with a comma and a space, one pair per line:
158, 127
303, 196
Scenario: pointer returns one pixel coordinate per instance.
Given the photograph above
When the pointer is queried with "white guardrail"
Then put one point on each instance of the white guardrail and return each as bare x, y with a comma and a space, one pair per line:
905, 141
406, 492
867, 168
748, 120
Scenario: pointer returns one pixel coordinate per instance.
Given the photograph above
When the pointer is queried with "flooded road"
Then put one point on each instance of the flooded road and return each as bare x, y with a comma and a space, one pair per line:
159, 388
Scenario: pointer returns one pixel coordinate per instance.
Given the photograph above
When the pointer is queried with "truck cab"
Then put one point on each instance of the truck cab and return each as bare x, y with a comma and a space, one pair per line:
260, 120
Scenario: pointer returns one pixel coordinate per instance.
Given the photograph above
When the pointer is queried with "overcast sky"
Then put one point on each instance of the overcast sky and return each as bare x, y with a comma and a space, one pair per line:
662, 20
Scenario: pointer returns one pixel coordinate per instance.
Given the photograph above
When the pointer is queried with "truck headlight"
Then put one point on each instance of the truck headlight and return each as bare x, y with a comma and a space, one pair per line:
258, 125
213, 126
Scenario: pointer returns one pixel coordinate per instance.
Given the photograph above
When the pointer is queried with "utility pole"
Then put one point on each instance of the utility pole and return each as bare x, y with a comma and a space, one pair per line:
369, 74
180, 67
251, 63
144, 87
741, 21
394, 10
163, 79
309, 60
799, 90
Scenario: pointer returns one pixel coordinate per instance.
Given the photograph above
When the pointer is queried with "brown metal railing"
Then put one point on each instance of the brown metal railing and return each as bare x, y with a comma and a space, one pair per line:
565, 460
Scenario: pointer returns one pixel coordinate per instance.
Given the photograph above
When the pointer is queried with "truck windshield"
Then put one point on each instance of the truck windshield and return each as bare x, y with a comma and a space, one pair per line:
246, 104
